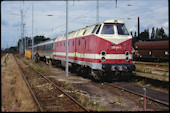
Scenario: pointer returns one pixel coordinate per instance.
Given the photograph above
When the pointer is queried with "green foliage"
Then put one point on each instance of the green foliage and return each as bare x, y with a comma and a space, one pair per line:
144, 35
158, 34
38, 39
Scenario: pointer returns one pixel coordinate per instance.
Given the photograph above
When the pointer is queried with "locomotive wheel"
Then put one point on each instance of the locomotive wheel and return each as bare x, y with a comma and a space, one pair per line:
95, 75
37, 58
49, 63
46, 61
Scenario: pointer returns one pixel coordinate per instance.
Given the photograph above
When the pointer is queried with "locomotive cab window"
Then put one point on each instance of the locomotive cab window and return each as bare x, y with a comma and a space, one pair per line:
108, 29
122, 29
95, 29
98, 29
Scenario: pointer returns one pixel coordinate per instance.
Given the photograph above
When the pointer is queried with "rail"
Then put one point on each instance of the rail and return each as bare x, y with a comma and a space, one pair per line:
85, 109
137, 92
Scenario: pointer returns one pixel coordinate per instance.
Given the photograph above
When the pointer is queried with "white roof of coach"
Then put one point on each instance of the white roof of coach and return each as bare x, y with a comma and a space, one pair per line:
45, 42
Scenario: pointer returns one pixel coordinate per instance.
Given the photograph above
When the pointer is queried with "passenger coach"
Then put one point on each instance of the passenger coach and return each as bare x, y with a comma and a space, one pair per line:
44, 51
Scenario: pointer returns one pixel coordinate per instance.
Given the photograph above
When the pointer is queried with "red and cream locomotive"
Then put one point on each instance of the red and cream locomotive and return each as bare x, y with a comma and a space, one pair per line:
98, 49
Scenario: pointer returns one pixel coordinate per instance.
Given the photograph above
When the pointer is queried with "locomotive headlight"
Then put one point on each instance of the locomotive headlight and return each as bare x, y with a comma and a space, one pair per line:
127, 53
103, 59
127, 59
103, 53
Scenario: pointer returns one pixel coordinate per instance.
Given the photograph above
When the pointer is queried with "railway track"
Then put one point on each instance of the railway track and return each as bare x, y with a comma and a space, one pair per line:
138, 90
4, 59
151, 94
152, 64
48, 96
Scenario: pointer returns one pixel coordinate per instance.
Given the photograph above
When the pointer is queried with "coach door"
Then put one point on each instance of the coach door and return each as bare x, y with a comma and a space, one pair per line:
83, 48
75, 49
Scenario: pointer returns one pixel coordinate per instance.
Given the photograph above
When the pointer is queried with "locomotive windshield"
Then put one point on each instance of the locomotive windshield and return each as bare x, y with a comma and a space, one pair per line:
108, 29
122, 29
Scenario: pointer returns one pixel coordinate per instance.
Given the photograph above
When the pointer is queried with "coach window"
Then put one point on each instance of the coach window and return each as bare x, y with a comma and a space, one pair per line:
84, 32
79, 41
57, 44
73, 42
98, 29
64, 43
60, 44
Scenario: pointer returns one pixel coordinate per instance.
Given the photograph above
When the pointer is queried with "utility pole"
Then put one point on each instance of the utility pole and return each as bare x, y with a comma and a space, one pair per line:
116, 3
97, 12
24, 44
32, 31
21, 31
24, 36
66, 38
138, 28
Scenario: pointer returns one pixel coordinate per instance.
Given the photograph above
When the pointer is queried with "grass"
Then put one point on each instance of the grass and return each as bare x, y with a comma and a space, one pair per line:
138, 70
145, 70
82, 100
42, 69
10, 101
119, 100
164, 74
38, 67
67, 88
101, 109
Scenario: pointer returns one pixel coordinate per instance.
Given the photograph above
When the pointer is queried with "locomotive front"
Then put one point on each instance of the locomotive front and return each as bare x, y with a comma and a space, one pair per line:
114, 47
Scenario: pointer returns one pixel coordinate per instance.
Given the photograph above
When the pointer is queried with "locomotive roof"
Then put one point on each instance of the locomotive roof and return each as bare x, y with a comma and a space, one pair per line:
107, 21
114, 21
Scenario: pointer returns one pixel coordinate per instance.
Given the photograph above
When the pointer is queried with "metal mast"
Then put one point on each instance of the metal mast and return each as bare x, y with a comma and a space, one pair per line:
24, 35
24, 39
21, 32
138, 28
66, 38
97, 12
32, 31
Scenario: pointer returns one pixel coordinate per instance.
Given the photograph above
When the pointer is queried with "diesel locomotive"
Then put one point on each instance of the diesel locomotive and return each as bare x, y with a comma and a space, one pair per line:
101, 50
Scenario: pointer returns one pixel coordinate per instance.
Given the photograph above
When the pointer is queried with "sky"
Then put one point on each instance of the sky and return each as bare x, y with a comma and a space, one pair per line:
152, 13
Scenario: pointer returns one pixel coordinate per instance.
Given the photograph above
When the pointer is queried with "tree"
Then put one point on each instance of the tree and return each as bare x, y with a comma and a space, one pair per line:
156, 34
134, 39
144, 35
153, 33
135, 34
38, 39
160, 33
131, 33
